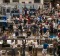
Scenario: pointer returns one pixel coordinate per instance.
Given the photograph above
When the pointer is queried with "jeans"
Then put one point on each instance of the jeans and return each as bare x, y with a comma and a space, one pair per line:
13, 52
54, 51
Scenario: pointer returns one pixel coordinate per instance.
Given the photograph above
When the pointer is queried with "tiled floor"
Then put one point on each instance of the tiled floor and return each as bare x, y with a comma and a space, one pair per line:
39, 54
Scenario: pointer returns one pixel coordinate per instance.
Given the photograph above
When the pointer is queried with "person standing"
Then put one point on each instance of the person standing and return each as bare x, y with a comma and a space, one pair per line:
45, 47
23, 48
30, 49
13, 51
5, 36
20, 28
54, 47
58, 49
28, 33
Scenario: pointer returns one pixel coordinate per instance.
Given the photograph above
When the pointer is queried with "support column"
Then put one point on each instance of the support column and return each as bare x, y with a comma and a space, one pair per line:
11, 1
50, 6
1, 1
19, 1
42, 3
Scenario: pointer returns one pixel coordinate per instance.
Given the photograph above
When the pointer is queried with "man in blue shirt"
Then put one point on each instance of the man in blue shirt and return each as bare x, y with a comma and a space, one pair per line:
45, 46
45, 29
40, 18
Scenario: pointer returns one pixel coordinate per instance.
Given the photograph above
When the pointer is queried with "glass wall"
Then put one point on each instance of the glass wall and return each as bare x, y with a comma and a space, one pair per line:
53, 2
36, 1
6, 1
46, 3
15, 0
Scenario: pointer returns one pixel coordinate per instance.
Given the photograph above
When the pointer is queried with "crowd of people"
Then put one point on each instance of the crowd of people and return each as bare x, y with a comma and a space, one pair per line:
43, 24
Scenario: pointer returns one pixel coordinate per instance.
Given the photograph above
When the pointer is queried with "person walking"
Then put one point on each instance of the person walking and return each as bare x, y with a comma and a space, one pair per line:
45, 47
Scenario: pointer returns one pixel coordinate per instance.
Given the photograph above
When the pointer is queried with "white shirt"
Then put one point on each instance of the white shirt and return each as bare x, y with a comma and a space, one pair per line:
36, 45
19, 42
54, 25
13, 44
14, 35
47, 26
17, 18
14, 27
